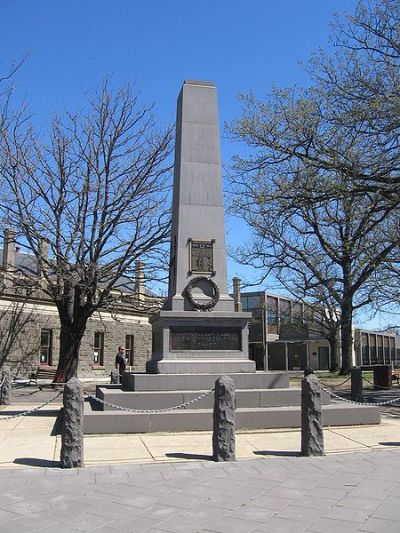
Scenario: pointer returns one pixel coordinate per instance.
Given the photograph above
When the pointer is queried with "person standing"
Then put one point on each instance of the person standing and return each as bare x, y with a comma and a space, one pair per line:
120, 362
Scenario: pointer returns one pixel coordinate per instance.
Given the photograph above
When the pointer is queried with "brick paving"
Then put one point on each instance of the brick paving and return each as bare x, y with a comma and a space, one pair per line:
277, 491
337, 493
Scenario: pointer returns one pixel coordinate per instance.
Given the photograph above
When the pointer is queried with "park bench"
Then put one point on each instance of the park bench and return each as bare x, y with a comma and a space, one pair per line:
396, 376
43, 373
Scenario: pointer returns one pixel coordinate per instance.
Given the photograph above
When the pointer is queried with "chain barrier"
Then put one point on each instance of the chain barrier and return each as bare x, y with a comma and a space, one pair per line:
24, 413
370, 404
338, 385
149, 411
296, 374
376, 385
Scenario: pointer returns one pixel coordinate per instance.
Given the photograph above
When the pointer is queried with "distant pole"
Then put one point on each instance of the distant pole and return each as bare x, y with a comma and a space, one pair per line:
356, 385
236, 294
5, 389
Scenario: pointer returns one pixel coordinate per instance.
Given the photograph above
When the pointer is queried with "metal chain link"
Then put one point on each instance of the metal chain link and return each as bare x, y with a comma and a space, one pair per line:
376, 385
150, 411
24, 413
338, 385
370, 404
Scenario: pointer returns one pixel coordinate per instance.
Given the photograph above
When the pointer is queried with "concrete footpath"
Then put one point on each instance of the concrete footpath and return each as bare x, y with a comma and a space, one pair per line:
167, 482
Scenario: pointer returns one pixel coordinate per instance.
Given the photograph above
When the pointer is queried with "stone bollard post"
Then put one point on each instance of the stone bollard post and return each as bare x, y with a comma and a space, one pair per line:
72, 433
223, 439
312, 438
356, 385
114, 376
5, 390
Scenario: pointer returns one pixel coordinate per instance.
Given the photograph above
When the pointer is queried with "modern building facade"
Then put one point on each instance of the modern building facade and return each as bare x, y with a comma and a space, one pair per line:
283, 337
376, 348
279, 337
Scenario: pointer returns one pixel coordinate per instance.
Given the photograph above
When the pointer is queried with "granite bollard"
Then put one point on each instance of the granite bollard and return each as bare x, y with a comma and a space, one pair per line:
312, 439
5, 390
356, 385
114, 376
224, 420
72, 433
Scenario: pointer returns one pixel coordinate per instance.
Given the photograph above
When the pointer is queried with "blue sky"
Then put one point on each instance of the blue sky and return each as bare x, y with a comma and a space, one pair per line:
239, 45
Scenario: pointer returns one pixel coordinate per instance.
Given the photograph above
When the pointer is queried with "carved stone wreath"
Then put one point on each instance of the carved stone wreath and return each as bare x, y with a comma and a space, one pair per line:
202, 306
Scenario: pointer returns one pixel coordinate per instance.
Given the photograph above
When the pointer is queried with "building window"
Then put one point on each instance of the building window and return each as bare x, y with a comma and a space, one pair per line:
380, 349
285, 309
372, 344
386, 350
365, 349
46, 346
129, 349
272, 315
98, 349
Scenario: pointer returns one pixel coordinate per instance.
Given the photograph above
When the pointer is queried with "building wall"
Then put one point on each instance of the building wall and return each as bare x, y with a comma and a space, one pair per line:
375, 348
24, 355
279, 338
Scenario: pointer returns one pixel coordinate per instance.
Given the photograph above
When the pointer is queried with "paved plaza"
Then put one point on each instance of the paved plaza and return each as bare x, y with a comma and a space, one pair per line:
342, 493
167, 482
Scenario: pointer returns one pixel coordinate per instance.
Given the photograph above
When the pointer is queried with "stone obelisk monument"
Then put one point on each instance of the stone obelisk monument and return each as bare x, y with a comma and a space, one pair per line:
198, 330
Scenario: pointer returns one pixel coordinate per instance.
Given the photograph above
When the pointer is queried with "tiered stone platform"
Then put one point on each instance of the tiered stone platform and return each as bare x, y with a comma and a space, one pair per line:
263, 400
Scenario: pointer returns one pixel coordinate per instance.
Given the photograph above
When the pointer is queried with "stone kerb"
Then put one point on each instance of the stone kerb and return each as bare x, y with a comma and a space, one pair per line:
312, 439
224, 420
72, 433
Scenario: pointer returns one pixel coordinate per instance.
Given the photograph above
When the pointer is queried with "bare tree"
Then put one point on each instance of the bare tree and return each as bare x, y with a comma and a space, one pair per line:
321, 315
325, 250
89, 203
318, 181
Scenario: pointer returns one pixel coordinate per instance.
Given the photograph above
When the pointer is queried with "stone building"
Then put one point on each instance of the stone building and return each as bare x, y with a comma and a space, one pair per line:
30, 327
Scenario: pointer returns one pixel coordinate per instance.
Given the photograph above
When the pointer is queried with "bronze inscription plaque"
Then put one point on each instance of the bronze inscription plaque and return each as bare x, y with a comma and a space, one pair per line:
201, 256
203, 338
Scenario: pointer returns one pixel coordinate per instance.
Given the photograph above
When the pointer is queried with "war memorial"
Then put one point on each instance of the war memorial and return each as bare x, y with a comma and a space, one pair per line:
198, 335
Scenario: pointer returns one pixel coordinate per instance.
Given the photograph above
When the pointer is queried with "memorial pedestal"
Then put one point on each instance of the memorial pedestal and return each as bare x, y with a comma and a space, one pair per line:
189, 342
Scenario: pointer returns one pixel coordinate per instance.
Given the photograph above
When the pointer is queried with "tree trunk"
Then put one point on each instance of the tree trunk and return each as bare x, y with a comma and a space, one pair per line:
70, 341
346, 336
333, 342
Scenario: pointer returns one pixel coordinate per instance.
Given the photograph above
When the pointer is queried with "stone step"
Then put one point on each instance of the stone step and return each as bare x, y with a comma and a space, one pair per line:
106, 422
135, 381
201, 366
167, 399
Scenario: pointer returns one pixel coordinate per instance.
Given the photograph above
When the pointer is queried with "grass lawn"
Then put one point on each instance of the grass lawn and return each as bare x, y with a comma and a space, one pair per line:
334, 379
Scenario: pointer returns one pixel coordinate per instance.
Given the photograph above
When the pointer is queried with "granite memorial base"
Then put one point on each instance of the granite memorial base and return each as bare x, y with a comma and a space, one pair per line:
190, 342
263, 400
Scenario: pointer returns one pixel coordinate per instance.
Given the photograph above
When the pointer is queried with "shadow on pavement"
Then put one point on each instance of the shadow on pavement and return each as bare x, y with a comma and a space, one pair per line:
279, 453
193, 456
42, 412
58, 424
389, 443
31, 461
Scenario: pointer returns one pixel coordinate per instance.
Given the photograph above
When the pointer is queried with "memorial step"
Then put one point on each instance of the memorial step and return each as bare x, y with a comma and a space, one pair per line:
106, 422
168, 399
134, 381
